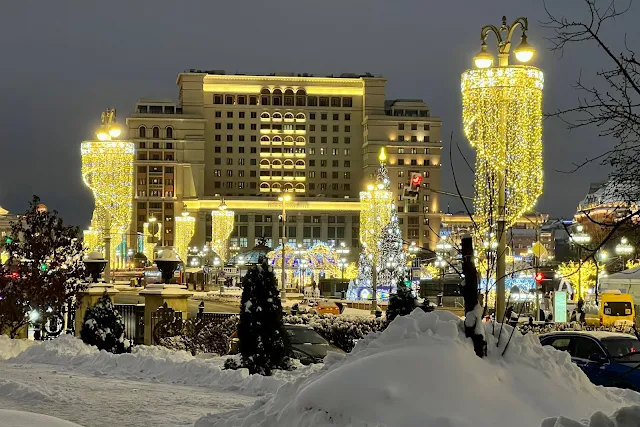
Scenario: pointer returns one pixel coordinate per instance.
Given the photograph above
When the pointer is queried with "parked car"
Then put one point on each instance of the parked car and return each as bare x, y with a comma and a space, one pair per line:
306, 344
326, 307
609, 359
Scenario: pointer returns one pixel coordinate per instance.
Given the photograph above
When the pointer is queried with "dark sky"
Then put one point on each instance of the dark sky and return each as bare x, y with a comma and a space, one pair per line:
65, 61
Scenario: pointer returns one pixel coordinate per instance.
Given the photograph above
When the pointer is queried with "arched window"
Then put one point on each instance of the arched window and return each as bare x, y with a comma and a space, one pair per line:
300, 163
288, 164
300, 187
142, 132
276, 163
264, 162
264, 186
156, 132
264, 139
288, 97
265, 115
300, 116
265, 91
169, 132
300, 140
301, 92
288, 92
288, 187
277, 139
277, 97
276, 187
301, 98
288, 140
288, 116
277, 116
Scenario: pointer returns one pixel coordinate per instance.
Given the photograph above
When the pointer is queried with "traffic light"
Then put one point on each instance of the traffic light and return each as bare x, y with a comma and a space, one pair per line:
539, 278
413, 190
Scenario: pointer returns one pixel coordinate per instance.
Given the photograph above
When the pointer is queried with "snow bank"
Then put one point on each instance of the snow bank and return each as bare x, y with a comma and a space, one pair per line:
152, 364
623, 417
28, 419
11, 348
422, 371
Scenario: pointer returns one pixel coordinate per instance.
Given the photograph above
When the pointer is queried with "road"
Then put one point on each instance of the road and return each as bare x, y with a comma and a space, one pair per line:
209, 306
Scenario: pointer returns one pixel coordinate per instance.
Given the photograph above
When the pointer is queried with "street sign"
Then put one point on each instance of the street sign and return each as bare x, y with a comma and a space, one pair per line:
539, 250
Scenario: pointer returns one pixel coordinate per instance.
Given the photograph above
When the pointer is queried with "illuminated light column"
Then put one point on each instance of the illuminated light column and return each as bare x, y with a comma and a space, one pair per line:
185, 227
502, 118
91, 239
284, 199
150, 229
107, 169
221, 228
375, 214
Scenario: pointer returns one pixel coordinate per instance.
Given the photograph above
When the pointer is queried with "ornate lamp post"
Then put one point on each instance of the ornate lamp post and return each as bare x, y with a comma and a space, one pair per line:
107, 169
284, 199
580, 238
502, 117
624, 249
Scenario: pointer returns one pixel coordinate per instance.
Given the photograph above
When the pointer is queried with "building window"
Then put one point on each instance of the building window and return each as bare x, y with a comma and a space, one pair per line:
142, 144
142, 132
400, 162
323, 116
242, 100
218, 114
335, 139
347, 175
427, 127
336, 116
427, 162
169, 132
156, 132
425, 174
335, 102
229, 138
400, 138
400, 150
414, 162
347, 101
218, 125
217, 99
347, 151
228, 100
229, 150
400, 174
217, 138
323, 140
400, 126
414, 138
253, 100
169, 145
312, 140
414, 127
347, 163
347, 140
335, 163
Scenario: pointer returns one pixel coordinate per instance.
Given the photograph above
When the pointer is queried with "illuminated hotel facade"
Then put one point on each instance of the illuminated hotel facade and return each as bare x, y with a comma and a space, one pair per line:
248, 139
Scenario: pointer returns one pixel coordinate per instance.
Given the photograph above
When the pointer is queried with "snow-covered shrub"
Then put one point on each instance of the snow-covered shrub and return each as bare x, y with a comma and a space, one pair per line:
200, 336
264, 344
573, 326
341, 331
103, 327
402, 302
232, 364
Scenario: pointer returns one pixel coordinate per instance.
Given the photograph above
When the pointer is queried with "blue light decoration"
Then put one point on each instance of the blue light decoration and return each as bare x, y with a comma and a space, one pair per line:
525, 284
362, 292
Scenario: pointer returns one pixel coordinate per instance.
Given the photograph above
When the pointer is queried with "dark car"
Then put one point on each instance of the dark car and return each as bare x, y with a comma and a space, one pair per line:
306, 344
609, 359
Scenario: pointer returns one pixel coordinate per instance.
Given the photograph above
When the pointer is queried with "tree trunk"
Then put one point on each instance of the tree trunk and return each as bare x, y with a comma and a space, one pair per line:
473, 326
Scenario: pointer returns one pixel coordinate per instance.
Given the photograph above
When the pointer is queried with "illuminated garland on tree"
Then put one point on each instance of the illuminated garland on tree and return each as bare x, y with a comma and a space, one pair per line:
185, 227
502, 117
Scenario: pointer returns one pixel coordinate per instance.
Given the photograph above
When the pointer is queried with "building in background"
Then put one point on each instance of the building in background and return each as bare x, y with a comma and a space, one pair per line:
248, 139
5, 222
606, 203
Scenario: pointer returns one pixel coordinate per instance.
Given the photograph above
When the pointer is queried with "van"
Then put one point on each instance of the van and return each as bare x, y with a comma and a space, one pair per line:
614, 308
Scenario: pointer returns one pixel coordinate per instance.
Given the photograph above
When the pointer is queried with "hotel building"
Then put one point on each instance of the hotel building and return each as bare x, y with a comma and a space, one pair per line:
248, 139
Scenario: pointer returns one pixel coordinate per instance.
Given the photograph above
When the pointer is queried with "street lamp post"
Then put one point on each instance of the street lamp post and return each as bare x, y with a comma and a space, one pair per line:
240, 263
284, 199
413, 250
502, 139
580, 238
624, 249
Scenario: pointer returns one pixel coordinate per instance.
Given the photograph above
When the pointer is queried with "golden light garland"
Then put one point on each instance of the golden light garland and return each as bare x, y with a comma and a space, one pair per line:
502, 118
148, 244
221, 228
185, 227
576, 272
92, 239
375, 214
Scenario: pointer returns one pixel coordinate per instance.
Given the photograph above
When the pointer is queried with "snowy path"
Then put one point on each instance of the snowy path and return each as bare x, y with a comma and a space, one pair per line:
104, 401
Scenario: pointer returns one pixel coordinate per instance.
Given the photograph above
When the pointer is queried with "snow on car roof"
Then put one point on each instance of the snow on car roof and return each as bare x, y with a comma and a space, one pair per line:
595, 334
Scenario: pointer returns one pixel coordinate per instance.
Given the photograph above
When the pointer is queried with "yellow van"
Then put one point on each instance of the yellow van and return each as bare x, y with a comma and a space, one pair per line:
614, 308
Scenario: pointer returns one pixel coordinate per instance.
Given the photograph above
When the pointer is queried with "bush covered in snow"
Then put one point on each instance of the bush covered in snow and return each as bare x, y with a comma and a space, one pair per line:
200, 336
264, 344
103, 327
573, 326
402, 302
341, 331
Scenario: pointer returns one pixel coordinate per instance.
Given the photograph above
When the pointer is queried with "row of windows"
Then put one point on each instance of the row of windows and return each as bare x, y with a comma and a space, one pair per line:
156, 145
412, 138
401, 174
288, 99
415, 150
288, 116
155, 132
413, 126
263, 173
155, 181
155, 193
278, 163
264, 138
243, 242
155, 169
168, 157
413, 162
156, 205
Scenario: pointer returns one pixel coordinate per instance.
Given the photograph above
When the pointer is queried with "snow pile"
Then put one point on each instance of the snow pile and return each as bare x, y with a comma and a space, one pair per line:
151, 363
623, 417
28, 419
11, 348
422, 371
20, 391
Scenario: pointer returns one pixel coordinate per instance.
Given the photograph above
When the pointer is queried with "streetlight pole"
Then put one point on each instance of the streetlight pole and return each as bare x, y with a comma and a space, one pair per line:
284, 199
523, 52
623, 249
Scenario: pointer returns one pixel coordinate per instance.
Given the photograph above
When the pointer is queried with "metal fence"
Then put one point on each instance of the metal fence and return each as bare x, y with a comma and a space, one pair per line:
133, 318
215, 317
165, 322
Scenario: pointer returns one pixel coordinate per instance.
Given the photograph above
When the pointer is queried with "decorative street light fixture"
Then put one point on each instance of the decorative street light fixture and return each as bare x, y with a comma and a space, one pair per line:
284, 199
240, 262
502, 119
342, 264
624, 249
580, 238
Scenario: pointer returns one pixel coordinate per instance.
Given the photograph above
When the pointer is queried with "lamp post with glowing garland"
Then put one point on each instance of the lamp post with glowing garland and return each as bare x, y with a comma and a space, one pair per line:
284, 199
502, 118
580, 238
222, 221
107, 169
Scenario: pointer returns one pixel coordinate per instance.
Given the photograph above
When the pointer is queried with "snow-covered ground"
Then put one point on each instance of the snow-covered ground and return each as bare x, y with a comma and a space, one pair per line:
65, 378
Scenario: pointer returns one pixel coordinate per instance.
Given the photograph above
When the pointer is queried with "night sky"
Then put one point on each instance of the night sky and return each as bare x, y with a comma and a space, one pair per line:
65, 61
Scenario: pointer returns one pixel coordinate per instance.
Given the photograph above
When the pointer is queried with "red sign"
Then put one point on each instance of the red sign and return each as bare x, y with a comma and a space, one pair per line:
416, 180
539, 277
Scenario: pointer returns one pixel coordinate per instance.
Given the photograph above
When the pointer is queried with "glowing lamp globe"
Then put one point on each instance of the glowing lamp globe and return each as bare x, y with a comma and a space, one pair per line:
114, 132
524, 52
41, 208
483, 59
